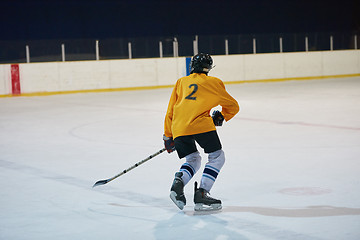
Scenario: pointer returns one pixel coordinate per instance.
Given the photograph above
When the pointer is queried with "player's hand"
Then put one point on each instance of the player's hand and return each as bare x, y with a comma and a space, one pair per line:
169, 144
218, 118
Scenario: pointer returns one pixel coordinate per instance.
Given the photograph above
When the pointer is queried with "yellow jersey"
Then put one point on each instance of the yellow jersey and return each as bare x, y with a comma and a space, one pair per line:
190, 103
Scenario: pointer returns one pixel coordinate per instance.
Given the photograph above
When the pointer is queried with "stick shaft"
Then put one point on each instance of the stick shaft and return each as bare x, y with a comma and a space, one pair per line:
102, 182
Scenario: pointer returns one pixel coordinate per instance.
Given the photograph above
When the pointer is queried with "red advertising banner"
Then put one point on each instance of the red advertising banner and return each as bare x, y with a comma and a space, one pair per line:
15, 79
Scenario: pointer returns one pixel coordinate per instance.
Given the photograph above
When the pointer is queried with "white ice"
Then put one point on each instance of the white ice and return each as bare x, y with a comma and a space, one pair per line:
292, 166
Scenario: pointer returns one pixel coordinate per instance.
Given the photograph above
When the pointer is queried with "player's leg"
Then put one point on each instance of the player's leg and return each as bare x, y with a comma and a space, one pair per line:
185, 147
216, 159
191, 166
212, 168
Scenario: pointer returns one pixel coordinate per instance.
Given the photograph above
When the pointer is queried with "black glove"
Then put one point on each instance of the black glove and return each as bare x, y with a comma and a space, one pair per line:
169, 144
218, 118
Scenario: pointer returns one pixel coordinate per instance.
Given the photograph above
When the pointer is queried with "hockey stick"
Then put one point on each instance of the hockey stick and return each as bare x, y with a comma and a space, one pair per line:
102, 182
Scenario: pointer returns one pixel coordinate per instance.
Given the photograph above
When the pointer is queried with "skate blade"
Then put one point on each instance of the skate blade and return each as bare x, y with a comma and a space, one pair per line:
178, 203
203, 207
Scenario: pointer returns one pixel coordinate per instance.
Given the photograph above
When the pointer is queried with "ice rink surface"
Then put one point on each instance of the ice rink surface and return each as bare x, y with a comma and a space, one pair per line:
292, 166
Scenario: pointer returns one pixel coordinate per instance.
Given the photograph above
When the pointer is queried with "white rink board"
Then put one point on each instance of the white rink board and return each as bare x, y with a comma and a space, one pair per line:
77, 75
303, 64
39, 77
5, 79
344, 62
91, 75
110, 74
229, 68
3, 83
264, 66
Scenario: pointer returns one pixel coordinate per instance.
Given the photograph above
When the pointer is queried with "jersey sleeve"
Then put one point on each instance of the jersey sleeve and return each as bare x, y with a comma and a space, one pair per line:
230, 106
169, 112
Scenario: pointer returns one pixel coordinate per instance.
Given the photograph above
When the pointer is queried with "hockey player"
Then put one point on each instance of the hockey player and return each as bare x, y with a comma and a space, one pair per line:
188, 121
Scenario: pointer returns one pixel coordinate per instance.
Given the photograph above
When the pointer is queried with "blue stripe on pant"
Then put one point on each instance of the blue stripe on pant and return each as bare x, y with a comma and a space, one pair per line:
211, 172
188, 169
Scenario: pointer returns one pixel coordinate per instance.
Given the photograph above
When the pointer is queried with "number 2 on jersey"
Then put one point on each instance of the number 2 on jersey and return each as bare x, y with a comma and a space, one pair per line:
190, 96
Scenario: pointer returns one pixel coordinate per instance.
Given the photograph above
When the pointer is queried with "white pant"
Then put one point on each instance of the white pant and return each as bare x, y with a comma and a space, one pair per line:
212, 168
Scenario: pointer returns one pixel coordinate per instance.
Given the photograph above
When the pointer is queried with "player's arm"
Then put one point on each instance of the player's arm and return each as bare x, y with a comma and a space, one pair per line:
230, 106
168, 137
169, 113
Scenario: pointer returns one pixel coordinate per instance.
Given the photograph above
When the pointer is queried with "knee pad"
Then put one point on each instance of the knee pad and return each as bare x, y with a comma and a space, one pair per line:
191, 166
217, 159
194, 159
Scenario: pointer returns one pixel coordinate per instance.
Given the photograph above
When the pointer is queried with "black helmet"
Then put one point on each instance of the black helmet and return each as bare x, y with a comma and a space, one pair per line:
201, 63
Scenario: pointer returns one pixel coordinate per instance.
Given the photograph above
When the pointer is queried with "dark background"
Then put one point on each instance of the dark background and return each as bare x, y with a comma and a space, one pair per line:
44, 25
64, 19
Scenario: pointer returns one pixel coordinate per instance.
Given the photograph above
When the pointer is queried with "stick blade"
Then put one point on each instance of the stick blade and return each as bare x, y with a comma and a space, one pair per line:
101, 182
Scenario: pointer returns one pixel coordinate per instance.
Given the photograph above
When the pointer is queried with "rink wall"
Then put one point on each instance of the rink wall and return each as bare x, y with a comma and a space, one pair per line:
114, 75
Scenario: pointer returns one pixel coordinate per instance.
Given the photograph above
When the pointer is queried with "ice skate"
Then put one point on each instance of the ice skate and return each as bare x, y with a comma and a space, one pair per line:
177, 191
203, 202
